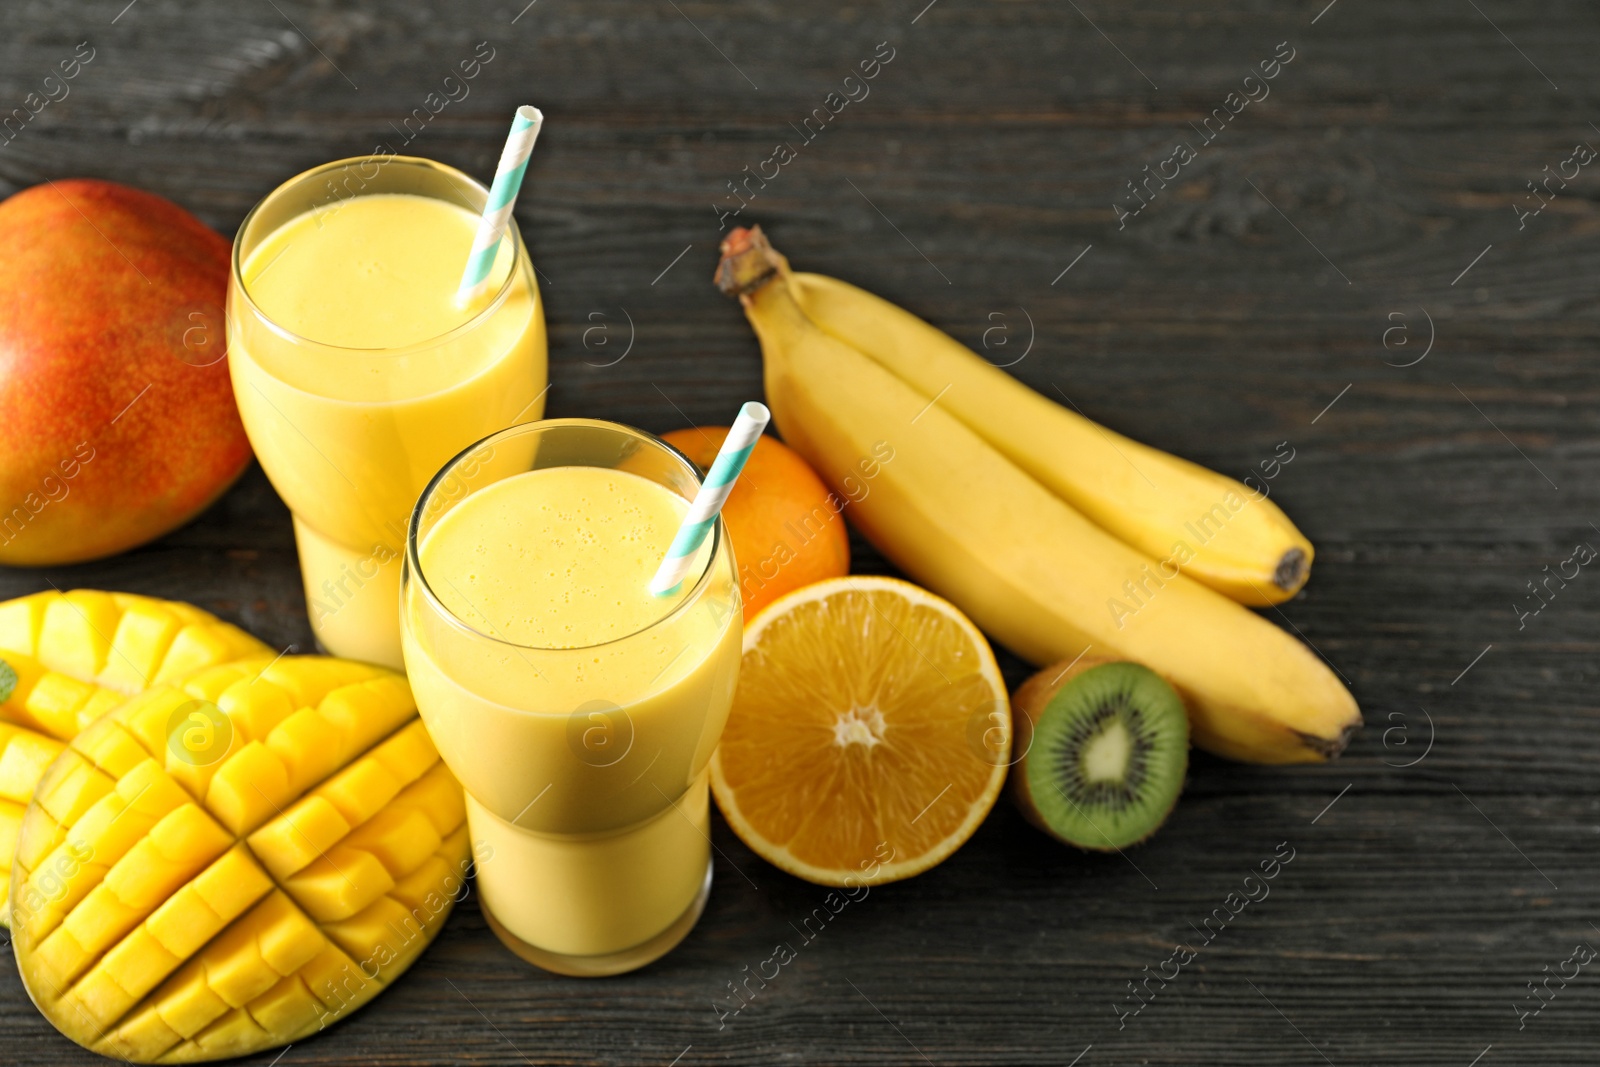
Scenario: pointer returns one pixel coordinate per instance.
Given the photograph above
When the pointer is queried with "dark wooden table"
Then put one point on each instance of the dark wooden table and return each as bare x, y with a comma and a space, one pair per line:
1284, 288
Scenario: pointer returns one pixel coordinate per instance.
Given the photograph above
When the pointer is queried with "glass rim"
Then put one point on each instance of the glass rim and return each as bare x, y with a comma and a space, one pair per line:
413, 560
482, 315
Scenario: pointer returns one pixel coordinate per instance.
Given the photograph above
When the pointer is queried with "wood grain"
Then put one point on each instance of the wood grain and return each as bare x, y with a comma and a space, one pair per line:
1249, 296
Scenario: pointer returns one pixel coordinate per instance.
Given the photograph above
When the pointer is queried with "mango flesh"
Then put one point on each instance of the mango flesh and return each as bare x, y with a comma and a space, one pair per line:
78, 655
171, 906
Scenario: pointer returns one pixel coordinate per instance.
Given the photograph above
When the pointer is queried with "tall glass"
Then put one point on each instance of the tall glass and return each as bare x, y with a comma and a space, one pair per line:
350, 433
585, 767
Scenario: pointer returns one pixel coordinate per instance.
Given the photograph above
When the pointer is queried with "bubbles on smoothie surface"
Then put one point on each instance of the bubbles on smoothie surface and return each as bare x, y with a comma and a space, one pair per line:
556, 558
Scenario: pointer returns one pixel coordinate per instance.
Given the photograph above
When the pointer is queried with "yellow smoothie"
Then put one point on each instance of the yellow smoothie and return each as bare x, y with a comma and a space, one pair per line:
581, 715
358, 377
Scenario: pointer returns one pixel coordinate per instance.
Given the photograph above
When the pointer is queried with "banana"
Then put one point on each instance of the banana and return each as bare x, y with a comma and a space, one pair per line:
954, 513
1215, 529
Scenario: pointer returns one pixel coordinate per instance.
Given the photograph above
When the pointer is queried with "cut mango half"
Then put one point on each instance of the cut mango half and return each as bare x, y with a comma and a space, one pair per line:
72, 657
235, 861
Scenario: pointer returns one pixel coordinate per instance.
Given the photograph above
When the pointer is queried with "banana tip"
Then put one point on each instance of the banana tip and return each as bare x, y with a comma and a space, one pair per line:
1329, 748
1291, 572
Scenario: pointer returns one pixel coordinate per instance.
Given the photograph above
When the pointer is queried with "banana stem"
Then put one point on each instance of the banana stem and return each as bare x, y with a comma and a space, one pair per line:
748, 262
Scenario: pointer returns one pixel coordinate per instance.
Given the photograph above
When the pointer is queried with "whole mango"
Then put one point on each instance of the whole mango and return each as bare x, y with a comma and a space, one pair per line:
119, 422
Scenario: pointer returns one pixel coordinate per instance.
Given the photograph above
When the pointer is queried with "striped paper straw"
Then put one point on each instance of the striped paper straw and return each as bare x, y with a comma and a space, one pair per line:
709, 500
497, 209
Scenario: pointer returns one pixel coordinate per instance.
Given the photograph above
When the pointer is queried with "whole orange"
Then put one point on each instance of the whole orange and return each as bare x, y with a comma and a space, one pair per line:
784, 522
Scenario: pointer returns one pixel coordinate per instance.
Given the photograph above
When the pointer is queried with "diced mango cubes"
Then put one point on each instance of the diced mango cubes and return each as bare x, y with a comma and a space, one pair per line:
24, 755
174, 908
77, 656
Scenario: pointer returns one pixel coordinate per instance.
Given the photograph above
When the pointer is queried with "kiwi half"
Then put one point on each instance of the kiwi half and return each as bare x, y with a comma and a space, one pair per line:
1109, 749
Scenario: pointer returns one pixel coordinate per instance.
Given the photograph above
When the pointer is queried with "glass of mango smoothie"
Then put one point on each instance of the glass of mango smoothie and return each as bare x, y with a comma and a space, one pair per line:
358, 374
578, 710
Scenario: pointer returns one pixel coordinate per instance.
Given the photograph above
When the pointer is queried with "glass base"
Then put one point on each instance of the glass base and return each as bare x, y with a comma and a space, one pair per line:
628, 959
352, 597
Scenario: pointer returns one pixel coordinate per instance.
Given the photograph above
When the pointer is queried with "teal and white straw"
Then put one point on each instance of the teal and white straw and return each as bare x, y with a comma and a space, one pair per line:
708, 501
502, 198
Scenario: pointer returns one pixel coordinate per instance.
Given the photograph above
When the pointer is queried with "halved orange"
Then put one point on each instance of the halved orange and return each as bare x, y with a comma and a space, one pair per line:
869, 736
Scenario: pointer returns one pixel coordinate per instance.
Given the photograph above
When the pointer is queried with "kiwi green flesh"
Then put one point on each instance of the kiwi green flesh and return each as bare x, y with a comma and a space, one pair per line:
1109, 755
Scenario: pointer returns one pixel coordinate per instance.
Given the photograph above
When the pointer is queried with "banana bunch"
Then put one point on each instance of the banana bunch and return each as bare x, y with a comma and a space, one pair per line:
1058, 537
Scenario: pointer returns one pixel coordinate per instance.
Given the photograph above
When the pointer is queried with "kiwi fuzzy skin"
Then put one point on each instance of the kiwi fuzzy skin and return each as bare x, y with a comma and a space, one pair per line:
1027, 707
